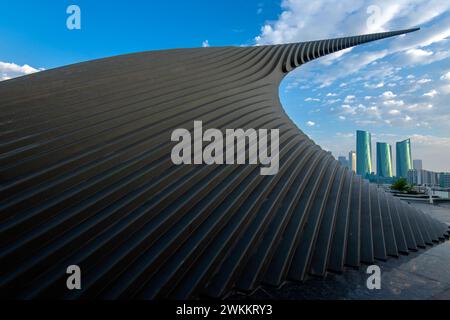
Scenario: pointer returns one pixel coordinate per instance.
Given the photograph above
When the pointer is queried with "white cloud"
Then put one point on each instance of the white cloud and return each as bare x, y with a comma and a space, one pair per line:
374, 86
420, 56
388, 95
348, 109
299, 22
299, 19
11, 70
430, 140
420, 107
260, 8
446, 76
205, 44
331, 58
419, 53
445, 89
423, 81
365, 122
394, 103
372, 112
394, 112
310, 124
333, 101
312, 99
349, 99
431, 94
345, 134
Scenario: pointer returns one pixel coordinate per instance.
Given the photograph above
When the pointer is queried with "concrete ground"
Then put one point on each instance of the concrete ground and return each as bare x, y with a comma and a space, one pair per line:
421, 275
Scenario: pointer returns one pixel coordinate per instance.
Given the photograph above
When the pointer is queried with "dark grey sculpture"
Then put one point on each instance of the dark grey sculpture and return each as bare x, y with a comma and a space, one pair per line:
87, 179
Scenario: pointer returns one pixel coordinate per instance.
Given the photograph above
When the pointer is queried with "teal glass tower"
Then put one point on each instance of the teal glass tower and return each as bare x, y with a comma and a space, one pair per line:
384, 160
404, 159
363, 153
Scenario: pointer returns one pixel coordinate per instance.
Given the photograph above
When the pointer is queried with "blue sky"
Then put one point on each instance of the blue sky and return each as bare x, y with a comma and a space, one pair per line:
395, 89
35, 33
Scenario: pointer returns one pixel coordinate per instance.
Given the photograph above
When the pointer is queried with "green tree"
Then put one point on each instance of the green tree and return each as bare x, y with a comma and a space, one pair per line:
402, 185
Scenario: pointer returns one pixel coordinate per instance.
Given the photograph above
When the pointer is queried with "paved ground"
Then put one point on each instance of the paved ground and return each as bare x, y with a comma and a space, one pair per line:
421, 275
441, 211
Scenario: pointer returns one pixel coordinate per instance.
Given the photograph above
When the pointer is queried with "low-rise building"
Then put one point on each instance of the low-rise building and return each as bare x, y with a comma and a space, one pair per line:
444, 180
423, 177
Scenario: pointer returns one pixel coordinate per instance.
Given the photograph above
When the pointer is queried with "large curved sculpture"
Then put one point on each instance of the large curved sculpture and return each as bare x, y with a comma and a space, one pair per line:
87, 179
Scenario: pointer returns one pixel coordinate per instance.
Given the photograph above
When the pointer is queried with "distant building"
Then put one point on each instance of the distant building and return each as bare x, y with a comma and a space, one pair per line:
444, 180
404, 159
343, 161
384, 160
424, 177
429, 178
363, 153
417, 164
352, 160
413, 177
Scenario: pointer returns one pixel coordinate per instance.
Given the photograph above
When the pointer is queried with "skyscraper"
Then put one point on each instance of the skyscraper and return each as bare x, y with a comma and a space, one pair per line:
343, 161
404, 159
384, 160
352, 160
417, 164
363, 153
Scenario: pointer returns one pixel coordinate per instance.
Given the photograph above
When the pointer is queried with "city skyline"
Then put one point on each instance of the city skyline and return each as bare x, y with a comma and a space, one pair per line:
430, 162
383, 160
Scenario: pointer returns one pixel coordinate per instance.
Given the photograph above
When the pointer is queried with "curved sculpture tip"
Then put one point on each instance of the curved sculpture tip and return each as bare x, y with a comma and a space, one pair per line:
412, 29
303, 52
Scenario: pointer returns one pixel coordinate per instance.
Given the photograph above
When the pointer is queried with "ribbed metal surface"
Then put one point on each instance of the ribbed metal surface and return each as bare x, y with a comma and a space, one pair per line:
87, 179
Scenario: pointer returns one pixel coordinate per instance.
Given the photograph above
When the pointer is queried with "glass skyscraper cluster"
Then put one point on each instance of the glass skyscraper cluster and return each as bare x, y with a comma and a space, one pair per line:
384, 160
404, 159
412, 170
363, 153
361, 160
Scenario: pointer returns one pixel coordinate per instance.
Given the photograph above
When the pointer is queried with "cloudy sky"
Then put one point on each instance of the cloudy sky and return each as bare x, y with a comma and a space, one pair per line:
397, 88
